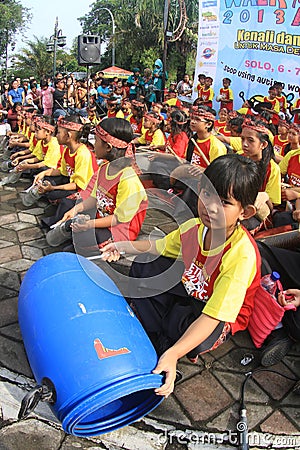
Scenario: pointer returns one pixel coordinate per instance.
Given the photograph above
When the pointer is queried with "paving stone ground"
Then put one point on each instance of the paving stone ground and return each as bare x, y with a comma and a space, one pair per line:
203, 411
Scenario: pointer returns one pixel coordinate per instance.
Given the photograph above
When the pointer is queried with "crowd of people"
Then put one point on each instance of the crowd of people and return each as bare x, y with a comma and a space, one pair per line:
236, 171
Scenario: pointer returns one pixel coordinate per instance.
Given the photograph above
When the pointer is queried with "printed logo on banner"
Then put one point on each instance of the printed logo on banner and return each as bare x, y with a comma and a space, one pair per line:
208, 53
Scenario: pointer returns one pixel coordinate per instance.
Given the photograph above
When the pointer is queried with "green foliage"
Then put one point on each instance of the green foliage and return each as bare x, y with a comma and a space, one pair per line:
139, 32
13, 19
33, 60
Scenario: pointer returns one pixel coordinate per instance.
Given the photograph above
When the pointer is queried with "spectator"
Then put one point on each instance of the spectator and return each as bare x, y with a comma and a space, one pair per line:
135, 83
184, 87
59, 97
16, 94
46, 98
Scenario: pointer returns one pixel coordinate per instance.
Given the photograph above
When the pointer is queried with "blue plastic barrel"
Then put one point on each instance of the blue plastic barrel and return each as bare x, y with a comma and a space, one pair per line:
81, 336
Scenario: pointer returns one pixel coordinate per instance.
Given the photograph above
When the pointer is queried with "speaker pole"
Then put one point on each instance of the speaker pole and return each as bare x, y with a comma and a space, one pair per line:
88, 85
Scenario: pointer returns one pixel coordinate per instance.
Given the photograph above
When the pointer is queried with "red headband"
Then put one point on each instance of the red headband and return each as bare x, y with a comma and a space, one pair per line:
72, 126
115, 142
284, 123
45, 125
294, 126
152, 118
253, 126
202, 114
137, 104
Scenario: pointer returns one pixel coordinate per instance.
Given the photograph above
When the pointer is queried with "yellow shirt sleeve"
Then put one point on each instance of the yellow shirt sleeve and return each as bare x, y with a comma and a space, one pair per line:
130, 195
37, 151
284, 163
217, 148
236, 143
232, 282
273, 188
120, 114
83, 170
52, 156
158, 138
170, 245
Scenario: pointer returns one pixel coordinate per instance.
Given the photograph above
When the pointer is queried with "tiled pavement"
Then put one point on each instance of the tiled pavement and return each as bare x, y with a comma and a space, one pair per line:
203, 411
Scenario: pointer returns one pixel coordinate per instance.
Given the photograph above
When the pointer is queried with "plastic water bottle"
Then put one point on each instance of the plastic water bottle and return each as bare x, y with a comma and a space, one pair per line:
269, 282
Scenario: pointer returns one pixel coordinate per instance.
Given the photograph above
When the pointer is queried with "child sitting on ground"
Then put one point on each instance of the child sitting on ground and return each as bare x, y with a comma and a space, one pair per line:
117, 194
193, 304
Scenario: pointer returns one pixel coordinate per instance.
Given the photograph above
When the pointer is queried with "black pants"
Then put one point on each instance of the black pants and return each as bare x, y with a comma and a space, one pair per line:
165, 309
64, 203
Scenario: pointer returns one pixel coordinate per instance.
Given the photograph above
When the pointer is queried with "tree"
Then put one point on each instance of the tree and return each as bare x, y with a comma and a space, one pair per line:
139, 33
13, 19
34, 60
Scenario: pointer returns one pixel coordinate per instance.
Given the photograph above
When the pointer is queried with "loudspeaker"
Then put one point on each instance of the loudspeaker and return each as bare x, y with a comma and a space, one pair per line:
89, 52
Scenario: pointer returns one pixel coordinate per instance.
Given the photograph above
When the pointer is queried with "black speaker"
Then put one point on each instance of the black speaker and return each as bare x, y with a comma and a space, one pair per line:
89, 51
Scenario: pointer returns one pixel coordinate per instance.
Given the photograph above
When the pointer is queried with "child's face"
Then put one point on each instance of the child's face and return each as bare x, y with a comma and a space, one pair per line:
40, 133
101, 148
198, 125
217, 213
223, 115
226, 84
148, 123
282, 129
272, 93
62, 135
207, 82
293, 136
251, 144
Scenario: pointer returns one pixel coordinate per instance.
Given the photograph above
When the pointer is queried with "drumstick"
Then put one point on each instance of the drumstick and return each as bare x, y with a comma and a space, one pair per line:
169, 149
200, 151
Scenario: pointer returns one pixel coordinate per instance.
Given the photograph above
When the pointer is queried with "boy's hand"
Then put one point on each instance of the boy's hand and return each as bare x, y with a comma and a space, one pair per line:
167, 363
39, 177
110, 252
78, 227
289, 194
296, 215
288, 297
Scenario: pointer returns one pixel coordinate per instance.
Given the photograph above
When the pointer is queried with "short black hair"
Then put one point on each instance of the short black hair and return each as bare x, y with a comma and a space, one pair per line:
234, 175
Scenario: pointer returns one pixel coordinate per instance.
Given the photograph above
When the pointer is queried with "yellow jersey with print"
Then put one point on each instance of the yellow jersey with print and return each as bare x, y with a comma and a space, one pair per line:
225, 278
79, 166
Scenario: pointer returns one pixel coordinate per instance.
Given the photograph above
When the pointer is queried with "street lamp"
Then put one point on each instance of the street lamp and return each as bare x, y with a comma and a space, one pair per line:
113, 52
56, 40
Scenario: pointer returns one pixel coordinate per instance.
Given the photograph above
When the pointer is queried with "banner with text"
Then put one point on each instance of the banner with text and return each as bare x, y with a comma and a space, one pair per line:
252, 42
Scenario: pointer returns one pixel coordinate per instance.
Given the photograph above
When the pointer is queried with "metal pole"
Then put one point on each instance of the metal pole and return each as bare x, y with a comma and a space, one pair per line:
166, 19
55, 46
113, 51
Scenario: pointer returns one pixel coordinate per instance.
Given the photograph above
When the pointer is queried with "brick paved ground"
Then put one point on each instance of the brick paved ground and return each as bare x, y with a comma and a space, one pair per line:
205, 403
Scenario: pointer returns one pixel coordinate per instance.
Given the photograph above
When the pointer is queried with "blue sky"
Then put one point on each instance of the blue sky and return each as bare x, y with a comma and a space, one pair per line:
44, 15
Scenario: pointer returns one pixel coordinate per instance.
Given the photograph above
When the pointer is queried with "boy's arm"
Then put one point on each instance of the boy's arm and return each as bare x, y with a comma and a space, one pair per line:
111, 251
197, 332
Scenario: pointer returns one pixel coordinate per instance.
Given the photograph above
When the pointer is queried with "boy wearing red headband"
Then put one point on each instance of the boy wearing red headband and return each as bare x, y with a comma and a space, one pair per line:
152, 135
116, 193
76, 168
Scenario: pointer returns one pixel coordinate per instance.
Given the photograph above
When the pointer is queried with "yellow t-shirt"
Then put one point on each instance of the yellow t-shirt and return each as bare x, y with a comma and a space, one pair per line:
222, 277
157, 138
120, 194
212, 148
78, 166
236, 143
49, 153
273, 184
273, 187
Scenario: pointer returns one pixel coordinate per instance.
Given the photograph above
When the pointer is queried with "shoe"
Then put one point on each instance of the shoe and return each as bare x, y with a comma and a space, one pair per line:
277, 346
